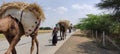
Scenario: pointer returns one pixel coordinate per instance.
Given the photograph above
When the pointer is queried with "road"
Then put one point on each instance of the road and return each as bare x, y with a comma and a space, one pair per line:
23, 47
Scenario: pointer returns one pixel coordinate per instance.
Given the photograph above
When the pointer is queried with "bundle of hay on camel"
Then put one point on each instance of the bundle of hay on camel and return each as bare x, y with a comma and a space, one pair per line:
17, 19
63, 24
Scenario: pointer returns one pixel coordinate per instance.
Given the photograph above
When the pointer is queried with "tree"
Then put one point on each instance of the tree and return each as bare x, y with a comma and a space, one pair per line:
45, 28
77, 26
113, 5
97, 22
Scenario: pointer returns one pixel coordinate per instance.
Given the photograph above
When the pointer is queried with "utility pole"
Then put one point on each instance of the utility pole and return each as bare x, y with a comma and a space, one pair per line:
103, 39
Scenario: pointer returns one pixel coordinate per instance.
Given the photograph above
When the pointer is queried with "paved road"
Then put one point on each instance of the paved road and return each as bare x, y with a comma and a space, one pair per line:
23, 47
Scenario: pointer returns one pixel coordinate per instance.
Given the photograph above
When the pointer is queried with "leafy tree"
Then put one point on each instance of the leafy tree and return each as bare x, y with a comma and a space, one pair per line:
114, 29
77, 26
96, 22
113, 5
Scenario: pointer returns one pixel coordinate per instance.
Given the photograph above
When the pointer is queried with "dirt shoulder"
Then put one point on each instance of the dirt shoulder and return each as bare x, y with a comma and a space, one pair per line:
77, 44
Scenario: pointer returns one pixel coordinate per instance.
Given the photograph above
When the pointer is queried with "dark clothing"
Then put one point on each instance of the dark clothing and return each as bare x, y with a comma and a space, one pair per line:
55, 38
70, 28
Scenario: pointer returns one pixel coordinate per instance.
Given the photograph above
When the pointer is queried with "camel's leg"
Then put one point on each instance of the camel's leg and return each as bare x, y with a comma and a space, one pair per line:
34, 40
14, 51
13, 43
61, 34
32, 45
9, 39
37, 44
65, 34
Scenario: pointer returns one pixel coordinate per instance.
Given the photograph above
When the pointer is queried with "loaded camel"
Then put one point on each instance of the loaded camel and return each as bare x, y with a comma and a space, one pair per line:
63, 26
14, 29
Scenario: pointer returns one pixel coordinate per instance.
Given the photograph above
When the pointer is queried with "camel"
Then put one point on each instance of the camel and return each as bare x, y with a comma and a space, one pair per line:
62, 31
13, 30
18, 19
63, 26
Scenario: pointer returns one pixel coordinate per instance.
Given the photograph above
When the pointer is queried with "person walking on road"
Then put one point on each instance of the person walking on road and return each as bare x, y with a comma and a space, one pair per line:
54, 34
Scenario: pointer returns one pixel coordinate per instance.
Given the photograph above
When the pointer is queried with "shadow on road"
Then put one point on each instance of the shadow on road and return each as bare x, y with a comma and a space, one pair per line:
50, 41
49, 45
92, 48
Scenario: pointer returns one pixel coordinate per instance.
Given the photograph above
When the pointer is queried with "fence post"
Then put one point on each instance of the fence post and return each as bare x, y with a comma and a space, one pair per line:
103, 39
96, 33
92, 35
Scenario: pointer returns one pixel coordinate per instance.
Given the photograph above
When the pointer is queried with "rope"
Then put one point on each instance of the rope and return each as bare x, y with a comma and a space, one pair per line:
20, 21
21, 15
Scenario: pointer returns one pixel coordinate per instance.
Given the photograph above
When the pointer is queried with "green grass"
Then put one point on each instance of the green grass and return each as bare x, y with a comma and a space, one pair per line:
44, 31
2, 36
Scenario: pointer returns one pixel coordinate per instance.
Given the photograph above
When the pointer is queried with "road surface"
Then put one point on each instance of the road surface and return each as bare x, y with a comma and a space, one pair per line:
23, 47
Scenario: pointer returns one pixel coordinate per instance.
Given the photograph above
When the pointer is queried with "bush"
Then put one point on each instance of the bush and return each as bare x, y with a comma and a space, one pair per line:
45, 28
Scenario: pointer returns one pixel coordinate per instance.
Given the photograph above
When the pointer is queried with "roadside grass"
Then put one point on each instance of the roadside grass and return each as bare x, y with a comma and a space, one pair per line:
2, 36
44, 31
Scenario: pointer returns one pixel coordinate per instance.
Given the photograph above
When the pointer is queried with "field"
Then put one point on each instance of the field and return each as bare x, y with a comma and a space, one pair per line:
44, 31
2, 37
40, 32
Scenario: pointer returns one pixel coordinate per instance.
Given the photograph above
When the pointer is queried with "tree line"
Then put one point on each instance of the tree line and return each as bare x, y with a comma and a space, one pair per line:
100, 23
108, 23
45, 28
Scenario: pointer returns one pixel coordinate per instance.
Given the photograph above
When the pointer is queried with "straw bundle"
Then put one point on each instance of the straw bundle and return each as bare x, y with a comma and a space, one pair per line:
65, 22
34, 8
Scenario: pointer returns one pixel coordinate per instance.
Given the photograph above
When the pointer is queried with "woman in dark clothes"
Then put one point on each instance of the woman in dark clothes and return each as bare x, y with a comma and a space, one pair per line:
55, 38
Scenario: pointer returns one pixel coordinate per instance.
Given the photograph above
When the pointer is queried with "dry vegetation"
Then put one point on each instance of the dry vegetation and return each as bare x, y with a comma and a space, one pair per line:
44, 31
34, 8
1, 36
65, 22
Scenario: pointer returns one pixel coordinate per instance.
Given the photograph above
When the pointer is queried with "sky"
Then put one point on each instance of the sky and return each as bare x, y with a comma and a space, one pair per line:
56, 10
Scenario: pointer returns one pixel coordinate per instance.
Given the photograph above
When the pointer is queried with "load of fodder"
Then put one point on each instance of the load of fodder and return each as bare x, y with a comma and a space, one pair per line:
66, 23
31, 14
34, 8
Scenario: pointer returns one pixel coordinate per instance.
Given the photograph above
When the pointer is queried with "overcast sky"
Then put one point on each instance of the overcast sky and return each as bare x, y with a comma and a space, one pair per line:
71, 10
